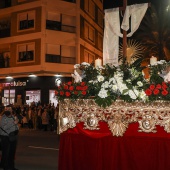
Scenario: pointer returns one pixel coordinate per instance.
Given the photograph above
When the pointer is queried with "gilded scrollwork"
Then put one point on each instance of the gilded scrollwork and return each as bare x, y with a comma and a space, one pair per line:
118, 116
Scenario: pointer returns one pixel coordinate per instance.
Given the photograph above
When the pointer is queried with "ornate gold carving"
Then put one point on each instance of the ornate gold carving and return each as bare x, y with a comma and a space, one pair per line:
118, 116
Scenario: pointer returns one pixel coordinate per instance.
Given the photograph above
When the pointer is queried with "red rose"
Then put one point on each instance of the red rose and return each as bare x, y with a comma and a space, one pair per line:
164, 92
56, 93
84, 88
83, 93
65, 87
78, 88
164, 85
158, 86
75, 92
67, 93
83, 83
69, 83
71, 88
152, 86
61, 93
156, 91
148, 92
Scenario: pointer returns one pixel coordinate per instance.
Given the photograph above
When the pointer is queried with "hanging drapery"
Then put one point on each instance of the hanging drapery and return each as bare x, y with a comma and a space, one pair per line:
112, 30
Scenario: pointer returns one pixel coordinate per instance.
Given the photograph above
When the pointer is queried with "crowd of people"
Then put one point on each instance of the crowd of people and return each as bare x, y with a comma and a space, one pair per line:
37, 117
34, 117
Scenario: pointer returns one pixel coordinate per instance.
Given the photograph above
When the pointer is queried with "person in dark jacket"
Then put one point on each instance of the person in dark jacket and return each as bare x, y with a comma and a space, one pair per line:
8, 124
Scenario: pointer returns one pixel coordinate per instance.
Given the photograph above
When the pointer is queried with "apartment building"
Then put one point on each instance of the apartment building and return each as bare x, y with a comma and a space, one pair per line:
41, 40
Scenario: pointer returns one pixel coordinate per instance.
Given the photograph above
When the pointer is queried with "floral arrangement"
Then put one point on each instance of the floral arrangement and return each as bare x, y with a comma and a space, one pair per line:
109, 83
158, 87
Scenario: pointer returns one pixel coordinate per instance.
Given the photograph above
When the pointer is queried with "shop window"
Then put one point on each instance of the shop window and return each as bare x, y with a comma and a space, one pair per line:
89, 33
88, 56
26, 52
33, 96
52, 98
8, 98
26, 20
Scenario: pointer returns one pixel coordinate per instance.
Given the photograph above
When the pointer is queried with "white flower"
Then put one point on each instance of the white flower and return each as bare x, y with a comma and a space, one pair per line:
114, 87
105, 84
143, 96
112, 80
128, 80
139, 83
161, 62
100, 78
132, 94
103, 93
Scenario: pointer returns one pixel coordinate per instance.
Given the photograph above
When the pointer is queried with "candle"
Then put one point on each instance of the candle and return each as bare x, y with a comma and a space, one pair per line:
98, 62
153, 60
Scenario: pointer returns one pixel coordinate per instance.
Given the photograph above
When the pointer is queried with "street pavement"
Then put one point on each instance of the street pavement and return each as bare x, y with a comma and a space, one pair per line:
37, 150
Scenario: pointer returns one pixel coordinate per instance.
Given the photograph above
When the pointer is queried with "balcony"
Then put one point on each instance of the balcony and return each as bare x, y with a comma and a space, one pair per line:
4, 61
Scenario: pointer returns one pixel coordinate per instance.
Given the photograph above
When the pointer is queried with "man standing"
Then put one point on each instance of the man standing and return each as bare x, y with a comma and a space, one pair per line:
8, 124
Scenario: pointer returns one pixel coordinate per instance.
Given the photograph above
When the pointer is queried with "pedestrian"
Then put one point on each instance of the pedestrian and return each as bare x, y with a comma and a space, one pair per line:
8, 126
39, 120
45, 119
34, 118
30, 122
56, 118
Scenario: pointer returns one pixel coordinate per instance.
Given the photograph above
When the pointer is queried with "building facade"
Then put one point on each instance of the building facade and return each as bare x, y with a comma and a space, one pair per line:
45, 38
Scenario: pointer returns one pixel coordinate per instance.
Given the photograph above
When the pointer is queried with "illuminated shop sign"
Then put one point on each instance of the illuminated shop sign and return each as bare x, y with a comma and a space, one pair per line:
14, 83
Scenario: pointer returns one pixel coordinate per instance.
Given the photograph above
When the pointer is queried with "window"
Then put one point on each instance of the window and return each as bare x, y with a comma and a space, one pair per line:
53, 25
100, 41
89, 32
88, 56
68, 23
53, 53
90, 8
26, 20
53, 21
26, 52
68, 54
100, 18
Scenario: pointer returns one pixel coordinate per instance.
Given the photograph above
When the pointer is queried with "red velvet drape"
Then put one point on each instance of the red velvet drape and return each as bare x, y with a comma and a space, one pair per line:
98, 150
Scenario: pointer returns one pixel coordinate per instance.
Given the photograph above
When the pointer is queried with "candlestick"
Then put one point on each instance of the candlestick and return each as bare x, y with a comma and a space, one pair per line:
98, 62
153, 60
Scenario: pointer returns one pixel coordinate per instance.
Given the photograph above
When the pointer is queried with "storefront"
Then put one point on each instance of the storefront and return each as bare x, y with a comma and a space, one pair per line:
31, 89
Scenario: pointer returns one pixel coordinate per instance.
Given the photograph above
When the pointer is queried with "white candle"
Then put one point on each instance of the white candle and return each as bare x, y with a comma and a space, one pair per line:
98, 62
153, 60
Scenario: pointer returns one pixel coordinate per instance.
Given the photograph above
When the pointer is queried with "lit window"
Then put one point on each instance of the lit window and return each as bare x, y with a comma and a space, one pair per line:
26, 52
